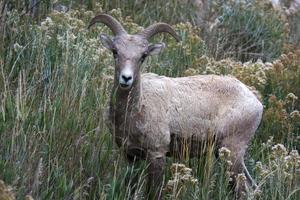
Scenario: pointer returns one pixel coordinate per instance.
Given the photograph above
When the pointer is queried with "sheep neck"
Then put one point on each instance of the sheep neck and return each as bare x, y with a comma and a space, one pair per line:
122, 102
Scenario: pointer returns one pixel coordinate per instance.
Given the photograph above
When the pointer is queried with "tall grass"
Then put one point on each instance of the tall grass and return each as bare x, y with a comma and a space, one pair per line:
55, 80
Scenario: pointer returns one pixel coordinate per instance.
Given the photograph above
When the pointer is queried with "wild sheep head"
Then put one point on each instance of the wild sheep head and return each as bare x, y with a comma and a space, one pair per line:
130, 51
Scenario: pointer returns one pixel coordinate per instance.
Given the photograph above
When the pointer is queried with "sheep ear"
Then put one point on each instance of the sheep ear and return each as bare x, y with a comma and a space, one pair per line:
106, 41
155, 49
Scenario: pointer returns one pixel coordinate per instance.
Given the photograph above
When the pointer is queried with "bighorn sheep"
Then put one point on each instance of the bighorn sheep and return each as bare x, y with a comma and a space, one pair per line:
149, 113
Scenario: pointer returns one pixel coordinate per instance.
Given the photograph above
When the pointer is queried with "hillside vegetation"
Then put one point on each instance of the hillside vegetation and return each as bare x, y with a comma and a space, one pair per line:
56, 77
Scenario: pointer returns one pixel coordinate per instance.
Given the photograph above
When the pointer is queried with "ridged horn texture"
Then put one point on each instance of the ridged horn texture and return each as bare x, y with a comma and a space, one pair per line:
159, 28
109, 21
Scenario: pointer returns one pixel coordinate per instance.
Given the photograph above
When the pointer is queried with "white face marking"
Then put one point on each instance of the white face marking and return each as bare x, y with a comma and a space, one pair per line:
126, 76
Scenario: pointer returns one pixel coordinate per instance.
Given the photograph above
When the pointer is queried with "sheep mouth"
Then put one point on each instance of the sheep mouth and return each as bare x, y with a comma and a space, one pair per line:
124, 86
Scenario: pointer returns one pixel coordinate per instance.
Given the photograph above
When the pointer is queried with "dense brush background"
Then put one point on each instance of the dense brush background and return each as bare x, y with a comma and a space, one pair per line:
55, 80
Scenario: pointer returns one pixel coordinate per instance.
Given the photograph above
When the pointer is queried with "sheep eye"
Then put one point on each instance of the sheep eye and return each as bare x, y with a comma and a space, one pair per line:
143, 57
115, 53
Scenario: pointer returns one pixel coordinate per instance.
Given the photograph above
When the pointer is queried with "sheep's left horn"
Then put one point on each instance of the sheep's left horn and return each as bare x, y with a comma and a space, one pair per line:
158, 28
109, 21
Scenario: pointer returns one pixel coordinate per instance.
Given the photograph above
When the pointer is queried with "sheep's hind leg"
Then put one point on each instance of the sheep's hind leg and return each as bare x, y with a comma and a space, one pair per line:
239, 183
237, 153
155, 176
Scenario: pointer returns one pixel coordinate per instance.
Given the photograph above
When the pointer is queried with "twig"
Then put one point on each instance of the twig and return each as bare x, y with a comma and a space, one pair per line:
31, 8
3, 8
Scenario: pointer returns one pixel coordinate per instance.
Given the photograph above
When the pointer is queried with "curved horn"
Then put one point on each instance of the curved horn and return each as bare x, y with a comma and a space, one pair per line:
158, 28
109, 21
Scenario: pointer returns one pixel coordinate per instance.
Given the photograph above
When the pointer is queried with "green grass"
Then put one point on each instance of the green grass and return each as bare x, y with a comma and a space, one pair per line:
55, 81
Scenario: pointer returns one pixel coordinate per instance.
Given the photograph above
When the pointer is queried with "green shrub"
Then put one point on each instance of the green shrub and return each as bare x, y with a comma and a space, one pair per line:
245, 30
55, 80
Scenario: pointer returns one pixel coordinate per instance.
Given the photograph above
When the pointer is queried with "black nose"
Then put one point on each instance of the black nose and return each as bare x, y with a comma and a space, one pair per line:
126, 78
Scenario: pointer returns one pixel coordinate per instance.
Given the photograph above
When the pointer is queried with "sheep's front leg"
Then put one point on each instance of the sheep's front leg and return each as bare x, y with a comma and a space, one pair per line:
133, 177
155, 176
134, 155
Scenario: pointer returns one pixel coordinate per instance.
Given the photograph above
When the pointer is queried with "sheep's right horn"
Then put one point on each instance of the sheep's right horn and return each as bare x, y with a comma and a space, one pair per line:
109, 21
158, 28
